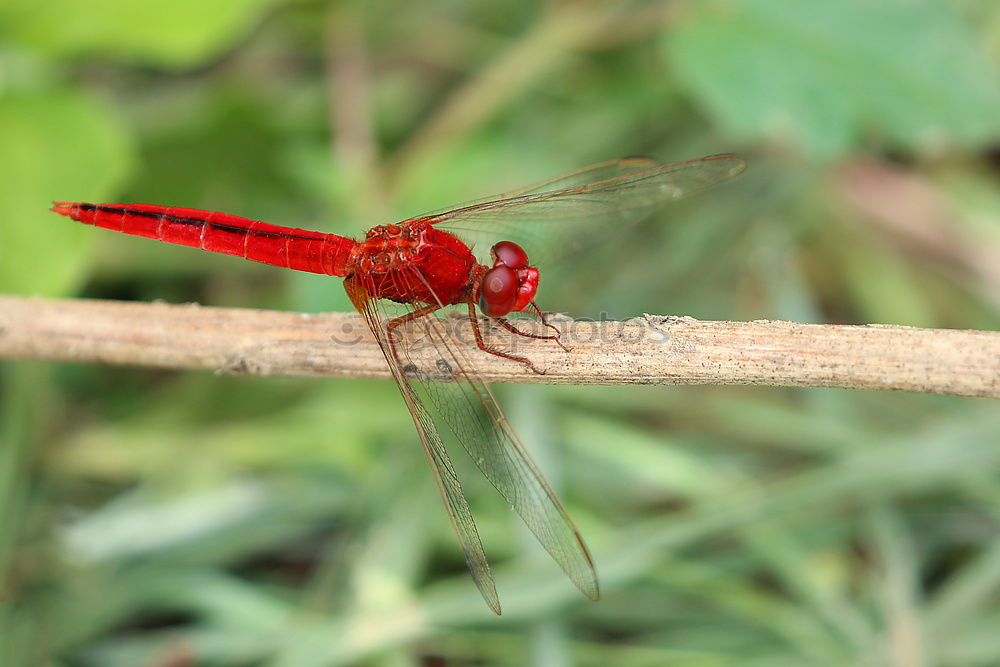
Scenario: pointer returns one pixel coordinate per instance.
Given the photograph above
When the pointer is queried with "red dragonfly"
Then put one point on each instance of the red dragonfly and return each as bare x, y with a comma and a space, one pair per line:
422, 265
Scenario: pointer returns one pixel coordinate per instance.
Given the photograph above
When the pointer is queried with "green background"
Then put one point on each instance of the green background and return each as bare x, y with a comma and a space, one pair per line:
174, 518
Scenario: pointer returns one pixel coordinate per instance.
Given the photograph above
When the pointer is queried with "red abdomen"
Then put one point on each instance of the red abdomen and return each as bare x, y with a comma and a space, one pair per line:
220, 232
414, 263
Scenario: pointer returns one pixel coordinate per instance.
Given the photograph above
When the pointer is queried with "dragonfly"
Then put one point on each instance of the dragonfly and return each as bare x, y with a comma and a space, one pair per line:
402, 276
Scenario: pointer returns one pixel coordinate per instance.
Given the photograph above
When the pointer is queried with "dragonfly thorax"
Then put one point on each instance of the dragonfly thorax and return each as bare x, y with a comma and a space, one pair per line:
414, 262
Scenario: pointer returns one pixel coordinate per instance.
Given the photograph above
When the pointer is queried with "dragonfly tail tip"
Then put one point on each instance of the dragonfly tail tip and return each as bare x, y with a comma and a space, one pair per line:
61, 207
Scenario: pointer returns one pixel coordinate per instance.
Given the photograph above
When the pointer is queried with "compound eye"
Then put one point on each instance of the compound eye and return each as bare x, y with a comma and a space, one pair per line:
498, 291
509, 254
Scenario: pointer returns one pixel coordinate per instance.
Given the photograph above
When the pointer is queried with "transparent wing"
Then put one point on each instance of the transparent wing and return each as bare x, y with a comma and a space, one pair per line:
442, 387
444, 472
571, 206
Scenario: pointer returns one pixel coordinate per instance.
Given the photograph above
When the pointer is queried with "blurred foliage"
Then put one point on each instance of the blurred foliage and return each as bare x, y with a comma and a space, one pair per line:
908, 73
169, 519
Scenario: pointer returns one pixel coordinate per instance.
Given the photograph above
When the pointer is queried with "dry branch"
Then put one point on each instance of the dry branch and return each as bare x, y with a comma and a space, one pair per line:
647, 350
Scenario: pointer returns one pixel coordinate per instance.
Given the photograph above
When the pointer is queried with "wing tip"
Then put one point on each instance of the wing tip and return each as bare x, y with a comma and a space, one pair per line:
737, 166
586, 580
487, 587
590, 586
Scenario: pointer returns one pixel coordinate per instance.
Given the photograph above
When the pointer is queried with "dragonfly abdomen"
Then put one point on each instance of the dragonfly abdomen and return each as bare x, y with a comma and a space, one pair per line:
220, 232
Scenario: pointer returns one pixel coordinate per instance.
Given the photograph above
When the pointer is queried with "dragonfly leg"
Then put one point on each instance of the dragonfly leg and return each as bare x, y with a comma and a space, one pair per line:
481, 344
508, 325
397, 322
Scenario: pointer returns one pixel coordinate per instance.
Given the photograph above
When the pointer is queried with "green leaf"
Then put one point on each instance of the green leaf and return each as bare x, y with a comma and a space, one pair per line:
56, 146
173, 33
828, 74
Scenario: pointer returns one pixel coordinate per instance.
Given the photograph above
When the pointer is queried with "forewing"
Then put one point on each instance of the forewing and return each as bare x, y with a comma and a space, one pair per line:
575, 206
441, 378
444, 472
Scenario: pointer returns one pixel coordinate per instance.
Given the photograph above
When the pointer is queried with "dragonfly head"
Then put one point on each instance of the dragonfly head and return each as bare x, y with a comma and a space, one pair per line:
511, 284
